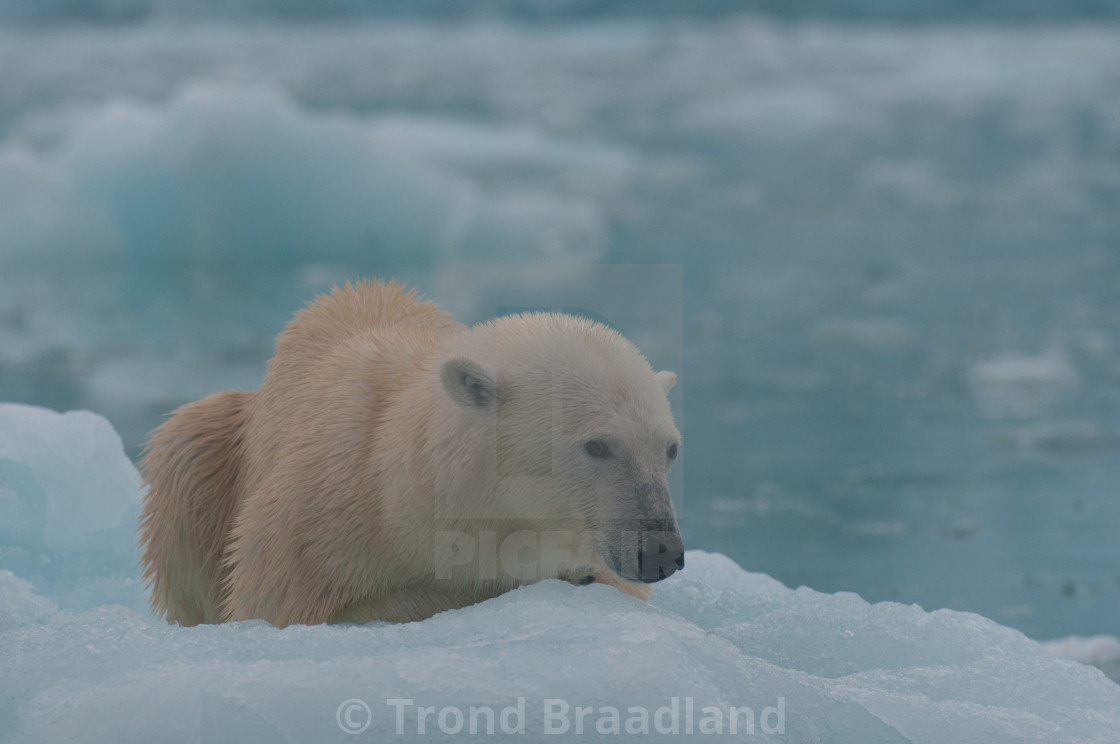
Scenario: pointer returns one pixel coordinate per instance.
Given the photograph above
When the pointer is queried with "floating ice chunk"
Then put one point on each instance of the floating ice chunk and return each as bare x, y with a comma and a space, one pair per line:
1022, 385
1048, 369
1101, 651
1059, 437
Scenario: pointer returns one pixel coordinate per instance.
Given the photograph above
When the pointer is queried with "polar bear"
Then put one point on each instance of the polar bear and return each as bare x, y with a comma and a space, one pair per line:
395, 464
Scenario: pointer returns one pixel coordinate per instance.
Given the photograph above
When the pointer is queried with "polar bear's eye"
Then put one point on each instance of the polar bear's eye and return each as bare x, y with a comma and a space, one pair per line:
597, 448
672, 451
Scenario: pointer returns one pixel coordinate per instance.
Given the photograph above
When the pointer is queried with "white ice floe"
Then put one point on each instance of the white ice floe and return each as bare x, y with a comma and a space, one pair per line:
796, 665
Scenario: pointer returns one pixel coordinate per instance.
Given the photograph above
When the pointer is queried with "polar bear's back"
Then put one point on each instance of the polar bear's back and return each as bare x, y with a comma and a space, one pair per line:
354, 309
365, 341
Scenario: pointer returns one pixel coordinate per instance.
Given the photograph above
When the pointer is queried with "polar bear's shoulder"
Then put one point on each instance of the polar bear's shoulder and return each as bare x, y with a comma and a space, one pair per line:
357, 308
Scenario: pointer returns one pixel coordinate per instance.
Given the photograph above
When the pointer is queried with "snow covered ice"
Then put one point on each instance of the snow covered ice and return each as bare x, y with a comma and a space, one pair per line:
80, 666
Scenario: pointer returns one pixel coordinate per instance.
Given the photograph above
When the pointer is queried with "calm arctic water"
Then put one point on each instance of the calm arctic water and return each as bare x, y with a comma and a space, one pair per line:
889, 257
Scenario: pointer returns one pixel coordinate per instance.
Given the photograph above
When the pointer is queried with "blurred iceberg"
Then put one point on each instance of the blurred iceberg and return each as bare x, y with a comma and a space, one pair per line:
810, 667
241, 179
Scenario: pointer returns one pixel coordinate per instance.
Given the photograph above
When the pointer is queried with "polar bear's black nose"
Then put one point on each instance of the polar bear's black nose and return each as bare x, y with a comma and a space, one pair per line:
660, 553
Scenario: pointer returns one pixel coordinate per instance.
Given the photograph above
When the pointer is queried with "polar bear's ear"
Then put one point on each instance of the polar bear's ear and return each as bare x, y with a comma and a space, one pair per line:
468, 383
667, 379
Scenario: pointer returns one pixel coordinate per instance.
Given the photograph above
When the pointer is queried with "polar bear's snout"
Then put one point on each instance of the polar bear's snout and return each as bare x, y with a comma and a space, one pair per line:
660, 553
648, 548
647, 551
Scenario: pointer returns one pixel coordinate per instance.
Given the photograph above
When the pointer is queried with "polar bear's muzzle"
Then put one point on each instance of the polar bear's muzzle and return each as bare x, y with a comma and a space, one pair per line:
647, 548
660, 553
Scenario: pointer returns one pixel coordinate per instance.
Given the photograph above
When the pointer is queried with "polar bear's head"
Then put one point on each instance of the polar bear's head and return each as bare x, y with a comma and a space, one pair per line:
577, 432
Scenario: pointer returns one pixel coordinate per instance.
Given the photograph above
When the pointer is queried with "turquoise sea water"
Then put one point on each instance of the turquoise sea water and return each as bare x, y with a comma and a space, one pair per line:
893, 292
